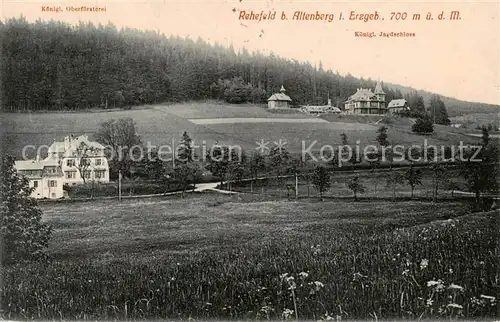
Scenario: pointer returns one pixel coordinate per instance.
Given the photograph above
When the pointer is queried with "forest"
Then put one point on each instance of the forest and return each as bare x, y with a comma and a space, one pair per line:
51, 65
57, 66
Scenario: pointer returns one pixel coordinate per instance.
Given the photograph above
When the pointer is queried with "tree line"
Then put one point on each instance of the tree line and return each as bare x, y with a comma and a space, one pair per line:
57, 66
445, 166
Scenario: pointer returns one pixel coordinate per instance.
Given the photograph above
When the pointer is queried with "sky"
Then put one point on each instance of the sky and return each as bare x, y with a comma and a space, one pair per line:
457, 58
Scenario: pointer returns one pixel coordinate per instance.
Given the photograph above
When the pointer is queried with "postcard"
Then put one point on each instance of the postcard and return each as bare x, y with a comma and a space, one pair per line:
249, 160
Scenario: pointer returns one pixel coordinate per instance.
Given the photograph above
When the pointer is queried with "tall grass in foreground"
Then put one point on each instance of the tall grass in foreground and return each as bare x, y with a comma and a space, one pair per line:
443, 269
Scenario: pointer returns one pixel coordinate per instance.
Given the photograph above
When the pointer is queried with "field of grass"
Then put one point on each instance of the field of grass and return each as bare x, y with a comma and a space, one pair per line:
375, 184
474, 120
160, 124
249, 257
217, 109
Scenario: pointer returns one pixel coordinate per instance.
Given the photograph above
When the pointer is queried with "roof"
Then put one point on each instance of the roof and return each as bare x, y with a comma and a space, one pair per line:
73, 144
56, 147
397, 103
378, 88
279, 97
34, 164
362, 94
28, 165
324, 108
312, 108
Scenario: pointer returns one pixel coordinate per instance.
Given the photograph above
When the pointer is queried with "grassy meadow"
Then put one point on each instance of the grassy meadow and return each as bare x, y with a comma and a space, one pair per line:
374, 183
159, 124
255, 257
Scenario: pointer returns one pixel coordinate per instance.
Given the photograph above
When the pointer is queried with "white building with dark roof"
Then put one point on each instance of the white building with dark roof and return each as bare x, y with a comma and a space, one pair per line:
398, 105
279, 100
63, 166
320, 109
364, 101
44, 176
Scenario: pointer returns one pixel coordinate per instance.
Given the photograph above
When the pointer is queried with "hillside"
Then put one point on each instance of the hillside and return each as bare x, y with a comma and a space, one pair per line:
454, 106
57, 66
211, 122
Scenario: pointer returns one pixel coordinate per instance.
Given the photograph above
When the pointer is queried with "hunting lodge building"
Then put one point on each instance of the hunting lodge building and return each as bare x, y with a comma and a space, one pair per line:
364, 101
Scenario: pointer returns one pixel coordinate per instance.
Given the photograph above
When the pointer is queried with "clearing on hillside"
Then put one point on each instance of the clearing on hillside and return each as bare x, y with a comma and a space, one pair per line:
210, 123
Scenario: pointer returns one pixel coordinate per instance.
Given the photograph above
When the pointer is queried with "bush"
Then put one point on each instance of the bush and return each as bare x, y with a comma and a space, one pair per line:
128, 188
423, 126
411, 114
24, 236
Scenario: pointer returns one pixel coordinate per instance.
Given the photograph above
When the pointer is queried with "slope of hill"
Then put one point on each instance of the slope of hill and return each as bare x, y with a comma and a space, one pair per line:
57, 66
244, 125
454, 106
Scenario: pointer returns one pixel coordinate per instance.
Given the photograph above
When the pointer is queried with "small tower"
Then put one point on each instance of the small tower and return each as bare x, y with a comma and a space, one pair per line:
379, 92
282, 90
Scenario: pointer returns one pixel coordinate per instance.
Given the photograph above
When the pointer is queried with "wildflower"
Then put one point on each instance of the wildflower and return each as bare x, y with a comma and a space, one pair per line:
481, 263
318, 284
438, 285
287, 313
475, 301
283, 276
455, 306
406, 272
357, 276
424, 263
450, 271
316, 249
455, 287
429, 302
488, 297
303, 275
173, 278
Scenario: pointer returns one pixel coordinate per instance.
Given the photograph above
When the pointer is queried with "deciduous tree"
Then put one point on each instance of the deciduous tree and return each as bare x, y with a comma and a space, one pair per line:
394, 179
321, 180
355, 186
123, 144
480, 169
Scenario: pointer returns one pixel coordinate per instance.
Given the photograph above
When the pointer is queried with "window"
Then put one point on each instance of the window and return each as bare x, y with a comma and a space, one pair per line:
70, 175
86, 174
35, 183
70, 162
52, 183
99, 174
98, 161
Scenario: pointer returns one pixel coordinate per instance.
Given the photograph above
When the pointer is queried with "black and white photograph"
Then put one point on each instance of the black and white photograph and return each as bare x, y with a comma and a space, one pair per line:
249, 160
